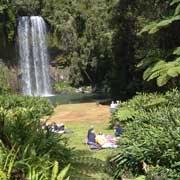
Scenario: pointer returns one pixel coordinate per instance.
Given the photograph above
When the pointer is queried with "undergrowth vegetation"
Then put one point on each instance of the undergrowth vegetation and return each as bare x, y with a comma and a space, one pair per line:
64, 87
27, 150
150, 144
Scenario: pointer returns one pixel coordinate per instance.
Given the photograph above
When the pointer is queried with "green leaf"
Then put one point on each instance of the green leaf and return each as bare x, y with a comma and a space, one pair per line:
154, 27
174, 2
147, 73
153, 75
147, 61
177, 11
155, 68
160, 25
63, 172
140, 178
178, 60
55, 170
147, 28
177, 51
162, 80
126, 113
174, 72
2, 8
3, 175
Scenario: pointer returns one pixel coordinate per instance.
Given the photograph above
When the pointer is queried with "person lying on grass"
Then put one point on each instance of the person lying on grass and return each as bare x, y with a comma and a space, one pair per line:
118, 130
57, 128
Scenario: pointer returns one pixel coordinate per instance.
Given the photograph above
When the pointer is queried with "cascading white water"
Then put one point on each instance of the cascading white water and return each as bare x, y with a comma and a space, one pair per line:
33, 56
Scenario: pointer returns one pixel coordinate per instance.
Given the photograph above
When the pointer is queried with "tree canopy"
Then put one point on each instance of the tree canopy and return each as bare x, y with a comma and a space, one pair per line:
118, 46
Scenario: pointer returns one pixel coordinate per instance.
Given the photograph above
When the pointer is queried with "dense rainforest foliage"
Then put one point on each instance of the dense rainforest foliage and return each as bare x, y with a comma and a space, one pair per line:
150, 144
25, 146
117, 46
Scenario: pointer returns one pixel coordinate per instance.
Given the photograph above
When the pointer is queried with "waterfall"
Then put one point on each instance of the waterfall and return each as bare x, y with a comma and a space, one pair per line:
33, 56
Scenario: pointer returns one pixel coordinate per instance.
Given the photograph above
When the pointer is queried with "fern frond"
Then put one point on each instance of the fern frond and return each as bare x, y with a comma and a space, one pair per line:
162, 80
160, 25
177, 11
174, 2
147, 28
147, 61
126, 113
174, 72
154, 27
162, 71
177, 51
155, 68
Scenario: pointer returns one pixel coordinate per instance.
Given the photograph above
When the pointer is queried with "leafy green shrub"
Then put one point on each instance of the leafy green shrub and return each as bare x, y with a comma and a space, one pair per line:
163, 173
23, 127
128, 110
33, 149
4, 89
4, 78
150, 144
14, 168
39, 106
173, 98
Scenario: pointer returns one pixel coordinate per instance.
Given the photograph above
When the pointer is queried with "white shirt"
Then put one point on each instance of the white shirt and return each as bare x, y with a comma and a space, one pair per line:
113, 105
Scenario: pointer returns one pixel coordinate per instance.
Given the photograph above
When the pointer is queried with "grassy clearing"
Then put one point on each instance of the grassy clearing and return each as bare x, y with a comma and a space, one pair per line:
88, 164
82, 112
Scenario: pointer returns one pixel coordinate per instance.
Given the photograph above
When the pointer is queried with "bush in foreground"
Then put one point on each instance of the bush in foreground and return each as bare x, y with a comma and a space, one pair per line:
151, 143
27, 150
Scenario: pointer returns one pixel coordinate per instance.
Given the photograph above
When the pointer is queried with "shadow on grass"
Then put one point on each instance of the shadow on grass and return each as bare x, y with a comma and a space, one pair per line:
86, 167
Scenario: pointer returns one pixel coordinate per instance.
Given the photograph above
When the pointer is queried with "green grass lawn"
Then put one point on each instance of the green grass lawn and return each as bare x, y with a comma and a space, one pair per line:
88, 164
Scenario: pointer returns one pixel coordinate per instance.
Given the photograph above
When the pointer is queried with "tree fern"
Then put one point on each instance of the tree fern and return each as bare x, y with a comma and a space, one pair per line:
154, 27
173, 72
162, 71
126, 113
153, 71
147, 28
160, 25
162, 80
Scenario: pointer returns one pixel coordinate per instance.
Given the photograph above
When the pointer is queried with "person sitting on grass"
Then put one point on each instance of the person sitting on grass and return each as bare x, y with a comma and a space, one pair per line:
91, 139
90, 131
118, 130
